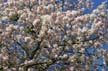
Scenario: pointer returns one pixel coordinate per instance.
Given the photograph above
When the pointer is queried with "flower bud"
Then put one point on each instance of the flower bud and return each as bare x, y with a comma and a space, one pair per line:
97, 44
65, 56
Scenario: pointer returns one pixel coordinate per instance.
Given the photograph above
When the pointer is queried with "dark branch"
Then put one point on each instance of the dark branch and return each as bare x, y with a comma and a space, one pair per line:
35, 50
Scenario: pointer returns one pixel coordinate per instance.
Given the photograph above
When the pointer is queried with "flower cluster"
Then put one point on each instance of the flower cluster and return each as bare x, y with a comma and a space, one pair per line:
38, 34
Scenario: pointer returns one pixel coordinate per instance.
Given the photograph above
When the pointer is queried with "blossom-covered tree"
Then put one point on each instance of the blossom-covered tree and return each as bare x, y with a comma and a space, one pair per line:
53, 35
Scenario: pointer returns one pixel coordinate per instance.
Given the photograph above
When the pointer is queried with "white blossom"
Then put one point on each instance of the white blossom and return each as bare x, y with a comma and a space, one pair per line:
11, 14
36, 21
5, 58
5, 18
27, 39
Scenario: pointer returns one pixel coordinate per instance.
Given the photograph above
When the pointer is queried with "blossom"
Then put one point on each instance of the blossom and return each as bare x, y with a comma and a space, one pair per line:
9, 29
19, 12
68, 13
50, 31
53, 34
102, 6
21, 28
96, 11
82, 50
11, 14
92, 16
41, 34
80, 18
71, 68
55, 45
65, 56
65, 18
99, 24
97, 44
5, 34
27, 39
11, 25
18, 37
102, 14
50, 7
16, 27
72, 58
22, 16
5, 58
84, 30
75, 13
36, 22
29, 62
5, 18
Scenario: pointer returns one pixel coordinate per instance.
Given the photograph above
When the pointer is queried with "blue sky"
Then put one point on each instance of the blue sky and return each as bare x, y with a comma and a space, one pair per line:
96, 3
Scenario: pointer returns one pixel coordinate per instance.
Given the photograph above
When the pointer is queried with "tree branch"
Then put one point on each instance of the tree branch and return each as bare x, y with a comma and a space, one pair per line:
35, 50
